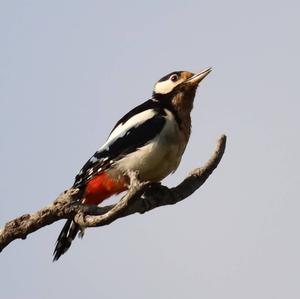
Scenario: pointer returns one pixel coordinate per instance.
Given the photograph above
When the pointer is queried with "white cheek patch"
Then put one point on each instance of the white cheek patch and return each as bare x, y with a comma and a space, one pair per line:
165, 87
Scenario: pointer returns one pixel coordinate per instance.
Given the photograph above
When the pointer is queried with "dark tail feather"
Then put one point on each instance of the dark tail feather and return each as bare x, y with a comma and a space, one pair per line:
65, 238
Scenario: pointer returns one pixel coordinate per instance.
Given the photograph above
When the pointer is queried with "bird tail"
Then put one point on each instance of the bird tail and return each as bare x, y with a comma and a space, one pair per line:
65, 238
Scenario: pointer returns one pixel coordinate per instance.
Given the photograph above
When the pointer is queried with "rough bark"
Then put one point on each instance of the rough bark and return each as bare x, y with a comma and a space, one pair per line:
140, 198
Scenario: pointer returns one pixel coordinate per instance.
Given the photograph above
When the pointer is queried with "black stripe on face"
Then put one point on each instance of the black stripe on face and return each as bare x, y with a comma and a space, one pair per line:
165, 102
166, 77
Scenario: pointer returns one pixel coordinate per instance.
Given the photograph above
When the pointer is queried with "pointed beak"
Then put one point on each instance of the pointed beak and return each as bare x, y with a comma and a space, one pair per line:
197, 78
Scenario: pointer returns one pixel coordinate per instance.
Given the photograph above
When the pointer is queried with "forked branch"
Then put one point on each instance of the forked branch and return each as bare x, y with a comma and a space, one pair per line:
140, 198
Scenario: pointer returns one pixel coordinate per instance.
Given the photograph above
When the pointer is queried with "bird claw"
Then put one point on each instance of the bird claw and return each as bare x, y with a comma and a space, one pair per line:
133, 177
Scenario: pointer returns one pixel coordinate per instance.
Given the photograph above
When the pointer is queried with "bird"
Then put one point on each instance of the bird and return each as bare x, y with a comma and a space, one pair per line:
149, 140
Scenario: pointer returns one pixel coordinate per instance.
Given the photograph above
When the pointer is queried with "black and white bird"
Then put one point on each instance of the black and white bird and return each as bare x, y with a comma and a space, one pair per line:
149, 140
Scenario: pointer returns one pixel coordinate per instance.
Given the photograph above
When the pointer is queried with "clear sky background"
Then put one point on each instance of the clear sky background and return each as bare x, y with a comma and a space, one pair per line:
70, 69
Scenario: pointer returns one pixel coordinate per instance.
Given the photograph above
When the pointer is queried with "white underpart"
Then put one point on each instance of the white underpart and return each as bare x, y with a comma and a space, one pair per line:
121, 129
156, 159
167, 86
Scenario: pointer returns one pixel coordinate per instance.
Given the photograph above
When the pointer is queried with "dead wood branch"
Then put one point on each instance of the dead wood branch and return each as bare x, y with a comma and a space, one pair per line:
140, 198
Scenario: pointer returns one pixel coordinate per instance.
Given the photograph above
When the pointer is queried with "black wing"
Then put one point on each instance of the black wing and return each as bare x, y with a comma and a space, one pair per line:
129, 141
150, 104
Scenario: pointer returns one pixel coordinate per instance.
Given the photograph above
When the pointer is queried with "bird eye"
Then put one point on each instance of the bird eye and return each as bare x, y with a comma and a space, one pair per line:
174, 78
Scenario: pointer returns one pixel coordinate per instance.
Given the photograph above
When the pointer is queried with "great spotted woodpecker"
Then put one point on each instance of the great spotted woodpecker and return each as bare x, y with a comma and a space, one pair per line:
150, 140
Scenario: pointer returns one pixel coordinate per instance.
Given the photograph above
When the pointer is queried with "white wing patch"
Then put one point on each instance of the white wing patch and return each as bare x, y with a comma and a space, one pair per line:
121, 129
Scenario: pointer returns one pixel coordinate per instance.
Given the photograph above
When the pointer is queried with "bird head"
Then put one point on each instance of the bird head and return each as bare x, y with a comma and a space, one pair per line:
177, 91
178, 81
179, 87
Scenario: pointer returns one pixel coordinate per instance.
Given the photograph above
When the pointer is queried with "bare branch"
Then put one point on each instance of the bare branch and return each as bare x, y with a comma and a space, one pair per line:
140, 198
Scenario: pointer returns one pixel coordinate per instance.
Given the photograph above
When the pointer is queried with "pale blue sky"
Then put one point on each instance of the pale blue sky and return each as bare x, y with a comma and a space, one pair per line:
70, 69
